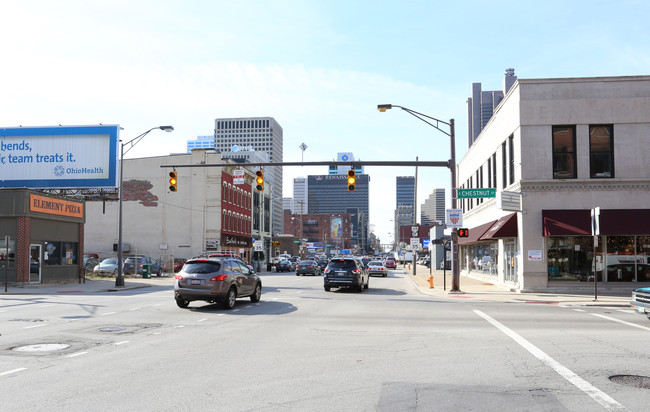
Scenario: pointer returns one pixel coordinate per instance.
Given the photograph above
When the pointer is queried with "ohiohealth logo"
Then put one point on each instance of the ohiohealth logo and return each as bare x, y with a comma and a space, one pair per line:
58, 171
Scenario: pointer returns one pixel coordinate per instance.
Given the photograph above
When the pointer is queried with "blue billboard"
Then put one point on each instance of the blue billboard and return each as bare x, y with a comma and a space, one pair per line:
59, 157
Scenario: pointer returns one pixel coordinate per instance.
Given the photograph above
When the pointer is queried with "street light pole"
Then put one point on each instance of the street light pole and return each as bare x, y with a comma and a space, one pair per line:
455, 269
119, 280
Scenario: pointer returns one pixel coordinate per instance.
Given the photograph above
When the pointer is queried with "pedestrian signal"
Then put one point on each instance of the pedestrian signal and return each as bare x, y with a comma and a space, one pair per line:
173, 181
259, 180
463, 232
352, 180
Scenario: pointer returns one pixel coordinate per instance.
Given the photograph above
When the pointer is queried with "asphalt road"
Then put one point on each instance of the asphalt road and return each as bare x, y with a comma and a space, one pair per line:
389, 348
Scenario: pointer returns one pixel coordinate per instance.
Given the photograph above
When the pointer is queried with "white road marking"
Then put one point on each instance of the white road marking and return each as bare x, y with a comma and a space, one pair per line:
202, 320
12, 371
77, 354
121, 343
236, 310
157, 333
108, 313
596, 394
34, 326
634, 325
221, 314
626, 310
579, 310
134, 309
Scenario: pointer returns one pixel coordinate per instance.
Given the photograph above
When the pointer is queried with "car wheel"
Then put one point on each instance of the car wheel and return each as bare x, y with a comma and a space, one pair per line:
159, 273
384, 275
257, 294
367, 283
182, 303
114, 272
327, 288
231, 298
360, 288
297, 274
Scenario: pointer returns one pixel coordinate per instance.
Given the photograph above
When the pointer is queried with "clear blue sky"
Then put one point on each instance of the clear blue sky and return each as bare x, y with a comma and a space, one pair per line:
318, 67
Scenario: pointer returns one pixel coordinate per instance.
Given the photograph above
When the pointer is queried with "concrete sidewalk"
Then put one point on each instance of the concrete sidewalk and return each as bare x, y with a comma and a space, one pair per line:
479, 290
91, 285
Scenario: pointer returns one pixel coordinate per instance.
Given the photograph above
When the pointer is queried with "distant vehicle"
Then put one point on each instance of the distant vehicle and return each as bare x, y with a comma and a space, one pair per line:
376, 267
305, 267
90, 263
176, 266
284, 266
641, 301
273, 263
322, 263
216, 281
133, 265
365, 260
107, 267
345, 272
390, 263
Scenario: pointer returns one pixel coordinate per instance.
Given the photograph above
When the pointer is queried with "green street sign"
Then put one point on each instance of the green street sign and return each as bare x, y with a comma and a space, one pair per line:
473, 193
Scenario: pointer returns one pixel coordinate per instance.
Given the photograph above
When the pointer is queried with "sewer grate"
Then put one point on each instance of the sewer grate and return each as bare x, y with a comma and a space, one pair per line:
41, 347
636, 381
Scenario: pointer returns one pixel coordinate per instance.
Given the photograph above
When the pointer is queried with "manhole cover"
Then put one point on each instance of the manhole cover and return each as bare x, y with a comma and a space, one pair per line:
112, 329
636, 381
42, 347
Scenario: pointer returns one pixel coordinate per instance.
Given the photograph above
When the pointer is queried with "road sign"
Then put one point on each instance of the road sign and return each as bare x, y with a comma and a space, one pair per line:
258, 245
238, 177
415, 243
454, 218
414, 231
473, 193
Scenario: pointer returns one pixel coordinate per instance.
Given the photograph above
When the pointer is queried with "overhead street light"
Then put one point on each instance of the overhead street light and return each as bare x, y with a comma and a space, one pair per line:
436, 123
119, 280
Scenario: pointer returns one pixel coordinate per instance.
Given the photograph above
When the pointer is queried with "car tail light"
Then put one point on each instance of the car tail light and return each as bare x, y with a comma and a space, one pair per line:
356, 271
219, 278
179, 277
310, 266
326, 270
297, 266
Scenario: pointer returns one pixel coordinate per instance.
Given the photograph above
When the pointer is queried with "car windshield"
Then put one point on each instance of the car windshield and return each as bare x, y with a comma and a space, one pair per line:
342, 264
111, 261
201, 267
306, 262
375, 263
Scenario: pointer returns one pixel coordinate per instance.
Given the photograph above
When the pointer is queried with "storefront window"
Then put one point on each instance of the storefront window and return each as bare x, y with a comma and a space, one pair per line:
642, 258
7, 255
510, 263
483, 258
622, 259
60, 253
570, 258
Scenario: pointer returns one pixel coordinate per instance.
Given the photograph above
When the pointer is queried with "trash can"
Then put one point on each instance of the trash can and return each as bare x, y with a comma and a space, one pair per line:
146, 271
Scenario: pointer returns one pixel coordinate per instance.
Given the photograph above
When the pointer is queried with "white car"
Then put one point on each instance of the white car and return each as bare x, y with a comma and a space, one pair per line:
376, 267
107, 267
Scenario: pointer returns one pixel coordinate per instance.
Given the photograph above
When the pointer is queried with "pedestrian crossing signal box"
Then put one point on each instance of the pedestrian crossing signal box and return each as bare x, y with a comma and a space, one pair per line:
463, 232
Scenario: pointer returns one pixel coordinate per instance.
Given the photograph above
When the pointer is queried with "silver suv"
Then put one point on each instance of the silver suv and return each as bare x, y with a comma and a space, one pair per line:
216, 281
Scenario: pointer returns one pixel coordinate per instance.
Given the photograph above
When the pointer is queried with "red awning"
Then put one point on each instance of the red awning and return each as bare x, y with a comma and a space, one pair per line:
567, 222
504, 227
475, 233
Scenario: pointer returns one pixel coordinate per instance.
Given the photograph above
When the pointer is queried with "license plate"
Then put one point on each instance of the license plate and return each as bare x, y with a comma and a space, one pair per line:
639, 309
341, 273
195, 281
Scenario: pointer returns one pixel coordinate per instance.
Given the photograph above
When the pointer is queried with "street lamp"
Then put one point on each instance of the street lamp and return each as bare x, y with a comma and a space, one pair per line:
452, 168
119, 280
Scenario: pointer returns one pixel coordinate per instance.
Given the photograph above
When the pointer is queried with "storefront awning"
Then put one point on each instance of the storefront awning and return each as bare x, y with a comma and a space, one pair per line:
577, 222
504, 227
475, 233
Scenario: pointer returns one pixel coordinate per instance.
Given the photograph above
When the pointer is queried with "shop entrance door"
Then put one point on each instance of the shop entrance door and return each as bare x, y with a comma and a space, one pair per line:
35, 261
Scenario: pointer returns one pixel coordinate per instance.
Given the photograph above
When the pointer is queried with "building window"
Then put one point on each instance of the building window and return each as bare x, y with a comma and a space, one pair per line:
489, 172
494, 170
60, 253
504, 166
511, 158
601, 151
564, 152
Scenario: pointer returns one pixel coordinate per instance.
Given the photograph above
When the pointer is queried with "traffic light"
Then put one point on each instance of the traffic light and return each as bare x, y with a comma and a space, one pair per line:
173, 182
352, 180
463, 232
259, 180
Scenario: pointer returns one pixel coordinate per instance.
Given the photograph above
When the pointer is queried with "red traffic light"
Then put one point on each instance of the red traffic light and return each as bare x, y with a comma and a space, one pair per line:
463, 232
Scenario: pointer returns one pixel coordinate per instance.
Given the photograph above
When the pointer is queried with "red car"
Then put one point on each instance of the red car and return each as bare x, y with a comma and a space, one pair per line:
390, 263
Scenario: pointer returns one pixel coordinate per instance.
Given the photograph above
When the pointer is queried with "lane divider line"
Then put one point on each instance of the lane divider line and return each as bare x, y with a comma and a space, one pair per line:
596, 394
34, 326
121, 343
12, 371
77, 354
634, 325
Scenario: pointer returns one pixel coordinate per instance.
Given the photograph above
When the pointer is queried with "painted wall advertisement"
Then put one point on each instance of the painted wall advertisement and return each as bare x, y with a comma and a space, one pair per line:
336, 228
59, 157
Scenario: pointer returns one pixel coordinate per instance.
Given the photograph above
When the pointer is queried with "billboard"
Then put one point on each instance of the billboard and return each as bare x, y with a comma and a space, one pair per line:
59, 157
336, 228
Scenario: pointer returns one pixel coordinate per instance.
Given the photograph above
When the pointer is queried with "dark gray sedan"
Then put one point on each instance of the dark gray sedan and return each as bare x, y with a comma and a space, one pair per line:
307, 267
216, 280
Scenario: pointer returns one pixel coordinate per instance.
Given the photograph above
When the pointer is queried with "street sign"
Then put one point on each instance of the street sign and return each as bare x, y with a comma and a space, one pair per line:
414, 231
415, 243
454, 218
238, 177
473, 193
258, 245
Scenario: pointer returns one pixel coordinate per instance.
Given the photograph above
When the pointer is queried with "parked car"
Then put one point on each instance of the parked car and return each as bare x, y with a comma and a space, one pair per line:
390, 263
284, 266
345, 272
376, 267
133, 265
107, 267
177, 265
90, 263
641, 301
216, 280
305, 267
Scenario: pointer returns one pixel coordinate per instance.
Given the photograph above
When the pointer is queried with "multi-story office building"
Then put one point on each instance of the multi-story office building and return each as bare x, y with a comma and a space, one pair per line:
328, 194
405, 196
433, 208
300, 200
201, 142
261, 134
556, 149
343, 170
481, 105
287, 204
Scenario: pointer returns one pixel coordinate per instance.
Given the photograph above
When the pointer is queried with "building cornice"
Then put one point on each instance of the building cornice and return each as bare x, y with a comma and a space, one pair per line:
582, 186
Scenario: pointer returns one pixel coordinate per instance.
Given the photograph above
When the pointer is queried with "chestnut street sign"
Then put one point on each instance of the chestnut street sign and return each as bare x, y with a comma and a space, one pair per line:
473, 193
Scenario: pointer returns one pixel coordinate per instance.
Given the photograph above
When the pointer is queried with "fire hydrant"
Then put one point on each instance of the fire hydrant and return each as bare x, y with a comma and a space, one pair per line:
431, 282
